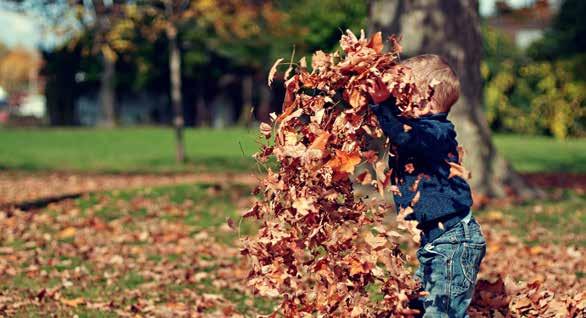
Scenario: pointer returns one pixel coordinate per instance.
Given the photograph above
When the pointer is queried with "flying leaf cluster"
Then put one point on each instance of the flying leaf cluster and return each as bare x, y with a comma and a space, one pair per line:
320, 247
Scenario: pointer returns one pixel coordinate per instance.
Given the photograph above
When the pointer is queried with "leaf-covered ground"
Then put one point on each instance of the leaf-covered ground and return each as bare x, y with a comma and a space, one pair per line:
18, 187
169, 252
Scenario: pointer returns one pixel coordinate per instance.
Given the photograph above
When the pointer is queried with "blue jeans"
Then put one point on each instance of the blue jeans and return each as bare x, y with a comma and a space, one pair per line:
448, 266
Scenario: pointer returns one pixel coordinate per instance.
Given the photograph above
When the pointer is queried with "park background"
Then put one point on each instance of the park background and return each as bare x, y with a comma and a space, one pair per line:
127, 130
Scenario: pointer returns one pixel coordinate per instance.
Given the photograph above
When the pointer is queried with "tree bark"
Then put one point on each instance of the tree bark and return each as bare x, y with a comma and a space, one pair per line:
451, 29
176, 98
264, 103
108, 91
108, 56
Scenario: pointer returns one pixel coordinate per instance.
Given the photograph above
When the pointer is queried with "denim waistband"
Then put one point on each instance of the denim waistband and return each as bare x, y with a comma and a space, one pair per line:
433, 230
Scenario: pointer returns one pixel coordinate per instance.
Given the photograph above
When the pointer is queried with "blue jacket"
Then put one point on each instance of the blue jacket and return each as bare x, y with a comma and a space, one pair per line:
423, 151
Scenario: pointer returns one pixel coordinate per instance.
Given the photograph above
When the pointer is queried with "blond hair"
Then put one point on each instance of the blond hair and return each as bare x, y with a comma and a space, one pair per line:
430, 67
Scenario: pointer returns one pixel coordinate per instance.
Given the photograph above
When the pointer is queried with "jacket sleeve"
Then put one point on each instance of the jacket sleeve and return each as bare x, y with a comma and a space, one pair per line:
418, 136
386, 113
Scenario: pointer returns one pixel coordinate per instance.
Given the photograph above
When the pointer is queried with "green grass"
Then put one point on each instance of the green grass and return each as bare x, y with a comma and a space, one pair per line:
125, 150
151, 149
543, 154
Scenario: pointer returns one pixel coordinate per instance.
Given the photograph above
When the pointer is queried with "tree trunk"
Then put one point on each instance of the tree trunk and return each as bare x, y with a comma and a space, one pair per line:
108, 90
176, 100
451, 29
264, 103
59, 69
246, 114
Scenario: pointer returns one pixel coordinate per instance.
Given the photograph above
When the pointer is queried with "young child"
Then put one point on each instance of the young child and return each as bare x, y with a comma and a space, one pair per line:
452, 244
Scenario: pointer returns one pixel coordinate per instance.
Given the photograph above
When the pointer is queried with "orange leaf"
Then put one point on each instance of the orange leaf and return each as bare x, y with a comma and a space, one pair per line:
321, 141
375, 241
356, 267
376, 42
364, 177
344, 161
457, 170
357, 99
67, 233
72, 302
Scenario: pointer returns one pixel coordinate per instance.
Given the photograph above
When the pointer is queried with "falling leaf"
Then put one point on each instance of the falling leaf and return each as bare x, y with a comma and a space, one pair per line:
376, 42
364, 177
357, 99
303, 205
273, 71
344, 162
320, 141
457, 170
265, 129
375, 242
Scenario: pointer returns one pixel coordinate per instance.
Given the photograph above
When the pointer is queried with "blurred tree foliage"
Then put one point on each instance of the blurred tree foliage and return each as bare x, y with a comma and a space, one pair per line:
17, 67
543, 90
566, 37
538, 91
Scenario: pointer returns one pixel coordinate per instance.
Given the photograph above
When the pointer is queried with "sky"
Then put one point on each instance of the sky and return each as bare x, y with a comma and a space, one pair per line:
22, 30
18, 30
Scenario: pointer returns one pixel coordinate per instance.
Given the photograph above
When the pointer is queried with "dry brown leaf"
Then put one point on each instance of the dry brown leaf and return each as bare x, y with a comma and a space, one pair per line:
457, 170
273, 71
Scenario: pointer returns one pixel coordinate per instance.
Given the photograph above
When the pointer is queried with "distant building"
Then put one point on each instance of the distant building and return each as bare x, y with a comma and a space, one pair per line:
524, 25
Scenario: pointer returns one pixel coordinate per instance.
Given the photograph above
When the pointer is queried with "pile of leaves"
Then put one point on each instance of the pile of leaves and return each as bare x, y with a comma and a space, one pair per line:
320, 247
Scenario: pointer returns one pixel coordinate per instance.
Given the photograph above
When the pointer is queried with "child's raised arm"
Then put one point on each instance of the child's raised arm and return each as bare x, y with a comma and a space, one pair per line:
417, 135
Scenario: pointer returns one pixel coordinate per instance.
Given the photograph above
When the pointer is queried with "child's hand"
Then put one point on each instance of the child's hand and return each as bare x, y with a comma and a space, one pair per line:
378, 90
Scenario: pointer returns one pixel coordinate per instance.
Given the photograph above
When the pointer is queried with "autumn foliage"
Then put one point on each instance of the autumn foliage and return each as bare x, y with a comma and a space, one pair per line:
320, 247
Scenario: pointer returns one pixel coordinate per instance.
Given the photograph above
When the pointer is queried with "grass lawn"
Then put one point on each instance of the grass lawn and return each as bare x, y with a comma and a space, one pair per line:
151, 149
543, 154
125, 150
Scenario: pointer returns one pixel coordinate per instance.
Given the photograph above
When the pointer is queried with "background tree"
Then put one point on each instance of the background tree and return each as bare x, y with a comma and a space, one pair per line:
18, 67
168, 16
566, 36
59, 71
452, 30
